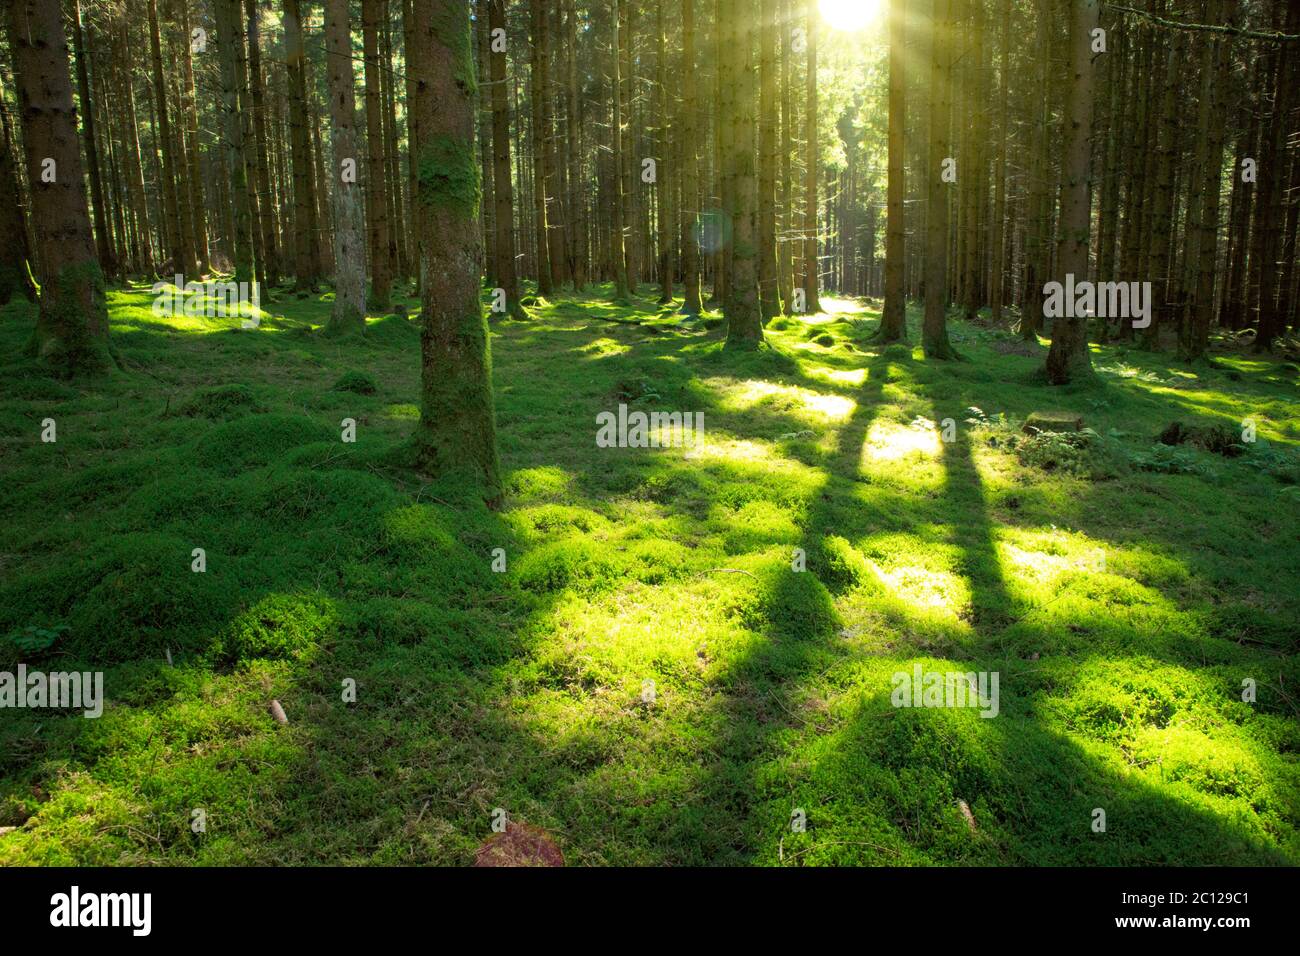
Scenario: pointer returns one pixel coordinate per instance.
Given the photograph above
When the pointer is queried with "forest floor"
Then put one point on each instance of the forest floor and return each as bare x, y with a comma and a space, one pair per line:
1121, 592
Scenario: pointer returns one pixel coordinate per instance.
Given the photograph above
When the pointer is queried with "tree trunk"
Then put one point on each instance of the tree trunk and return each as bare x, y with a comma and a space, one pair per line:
180, 256
381, 269
71, 334
893, 320
768, 294
261, 165
617, 248
934, 329
349, 312
103, 238
484, 129
743, 313
540, 122
457, 430
306, 228
1068, 359
690, 154
812, 302
15, 253
229, 41
194, 169
667, 165
507, 268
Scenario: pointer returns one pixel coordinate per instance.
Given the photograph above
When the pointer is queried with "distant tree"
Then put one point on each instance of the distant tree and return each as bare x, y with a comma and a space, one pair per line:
812, 303
504, 194
229, 49
305, 227
690, 153
381, 268
617, 247
349, 312
541, 170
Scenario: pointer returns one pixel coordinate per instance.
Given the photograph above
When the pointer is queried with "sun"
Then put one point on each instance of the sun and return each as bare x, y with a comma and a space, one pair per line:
849, 14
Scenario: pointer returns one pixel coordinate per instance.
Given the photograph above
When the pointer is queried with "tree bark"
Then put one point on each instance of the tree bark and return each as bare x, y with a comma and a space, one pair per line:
743, 313
934, 328
1068, 358
15, 254
349, 313
71, 334
507, 274
539, 115
812, 302
306, 228
457, 430
893, 320
381, 268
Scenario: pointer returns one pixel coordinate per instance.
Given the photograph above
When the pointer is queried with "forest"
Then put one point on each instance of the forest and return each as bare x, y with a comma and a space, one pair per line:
685, 433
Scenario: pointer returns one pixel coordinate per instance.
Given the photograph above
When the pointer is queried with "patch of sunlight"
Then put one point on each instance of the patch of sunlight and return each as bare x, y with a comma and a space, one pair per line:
604, 347
1036, 565
402, 413
854, 377
748, 394
835, 306
891, 441
735, 449
925, 588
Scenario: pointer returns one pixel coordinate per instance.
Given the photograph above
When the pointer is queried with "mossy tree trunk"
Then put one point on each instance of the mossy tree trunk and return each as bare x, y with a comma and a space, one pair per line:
194, 169
304, 183
258, 155
71, 334
229, 43
934, 329
665, 182
103, 236
617, 248
503, 187
893, 320
743, 313
541, 174
349, 313
381, 271
1068, 358
182, 257
690, 166
457, 430
15, 253
768, 294
812, 302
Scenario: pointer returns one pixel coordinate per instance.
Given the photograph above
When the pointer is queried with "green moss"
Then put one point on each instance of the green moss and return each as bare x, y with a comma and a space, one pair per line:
280, 626
650, 676
257, 440
221, 401
360, 383
448, 175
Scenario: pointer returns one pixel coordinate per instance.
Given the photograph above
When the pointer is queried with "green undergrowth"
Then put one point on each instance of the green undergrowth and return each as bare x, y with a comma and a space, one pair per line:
659, 655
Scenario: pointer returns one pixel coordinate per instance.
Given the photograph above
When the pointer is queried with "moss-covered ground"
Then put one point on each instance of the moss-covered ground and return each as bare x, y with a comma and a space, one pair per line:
651, 679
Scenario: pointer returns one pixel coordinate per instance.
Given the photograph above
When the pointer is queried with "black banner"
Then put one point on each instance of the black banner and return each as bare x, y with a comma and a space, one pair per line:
341, 905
